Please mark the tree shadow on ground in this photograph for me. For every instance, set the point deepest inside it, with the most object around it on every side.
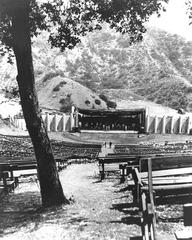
(24, 210)
(179, 199)
(130, 210)
(123, 189)
(129, 221)
(17, 210)
(136, 238)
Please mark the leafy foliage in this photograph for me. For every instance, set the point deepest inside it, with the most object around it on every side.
(57, 88)
(111, 104)
(50, 75)
(11, 92)
(97, 101)
(66, 104)
(159, 68)
(103, 97)
(87, 102)
(66, 23)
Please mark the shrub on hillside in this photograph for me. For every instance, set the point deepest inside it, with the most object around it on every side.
(97, 101)
(66, 104)
(56, 88)
(49, 76)
(62, 83)
(87, 102)
(62, 101)
(11, 92)
(189, 90)
(103, 97)
(111, 104)
(38, 72)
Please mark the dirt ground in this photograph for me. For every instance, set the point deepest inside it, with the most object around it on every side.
(98, 210)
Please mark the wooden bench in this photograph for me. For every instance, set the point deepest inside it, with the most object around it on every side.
(11, 164)
(5, 182)
(169, 175)
(114, 163)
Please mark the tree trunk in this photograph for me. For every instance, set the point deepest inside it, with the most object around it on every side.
(51, 189)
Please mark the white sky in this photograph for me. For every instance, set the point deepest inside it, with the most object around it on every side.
(174, 20)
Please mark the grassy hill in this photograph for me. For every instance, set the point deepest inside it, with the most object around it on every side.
(61, 93)
(158, 69)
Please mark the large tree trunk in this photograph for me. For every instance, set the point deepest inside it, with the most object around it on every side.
(51, 189)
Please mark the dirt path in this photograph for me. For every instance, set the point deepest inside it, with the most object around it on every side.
(100, 210)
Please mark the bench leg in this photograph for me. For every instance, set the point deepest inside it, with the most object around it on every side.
(16, 181)
(12, 177)
(122, 175)
(102, 174)
(144, 222)
(136, 198)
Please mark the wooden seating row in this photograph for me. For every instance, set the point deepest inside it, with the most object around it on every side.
(22, 147)
(9, 165)
(154, 149)
(151, 176)
(166, 175)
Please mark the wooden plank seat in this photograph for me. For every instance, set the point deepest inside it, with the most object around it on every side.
(171, 172)
(118, 162)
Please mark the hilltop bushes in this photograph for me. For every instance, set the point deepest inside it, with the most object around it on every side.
(110, 104)
(167, 92)
(57, 87)
(51, 75)
(11, 92)
(66, 104)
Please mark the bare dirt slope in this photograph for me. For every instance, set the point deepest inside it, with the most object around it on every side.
(99, 211)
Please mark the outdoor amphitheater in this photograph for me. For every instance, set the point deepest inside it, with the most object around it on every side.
(127, 174)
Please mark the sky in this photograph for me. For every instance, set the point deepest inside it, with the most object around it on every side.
(174, 20)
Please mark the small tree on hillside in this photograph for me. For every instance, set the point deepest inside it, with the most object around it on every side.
(22, 19)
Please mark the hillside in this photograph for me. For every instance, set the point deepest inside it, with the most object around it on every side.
(61, 93)
(158, 69)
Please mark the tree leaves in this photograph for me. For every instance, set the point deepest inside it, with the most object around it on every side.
(67, 23)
